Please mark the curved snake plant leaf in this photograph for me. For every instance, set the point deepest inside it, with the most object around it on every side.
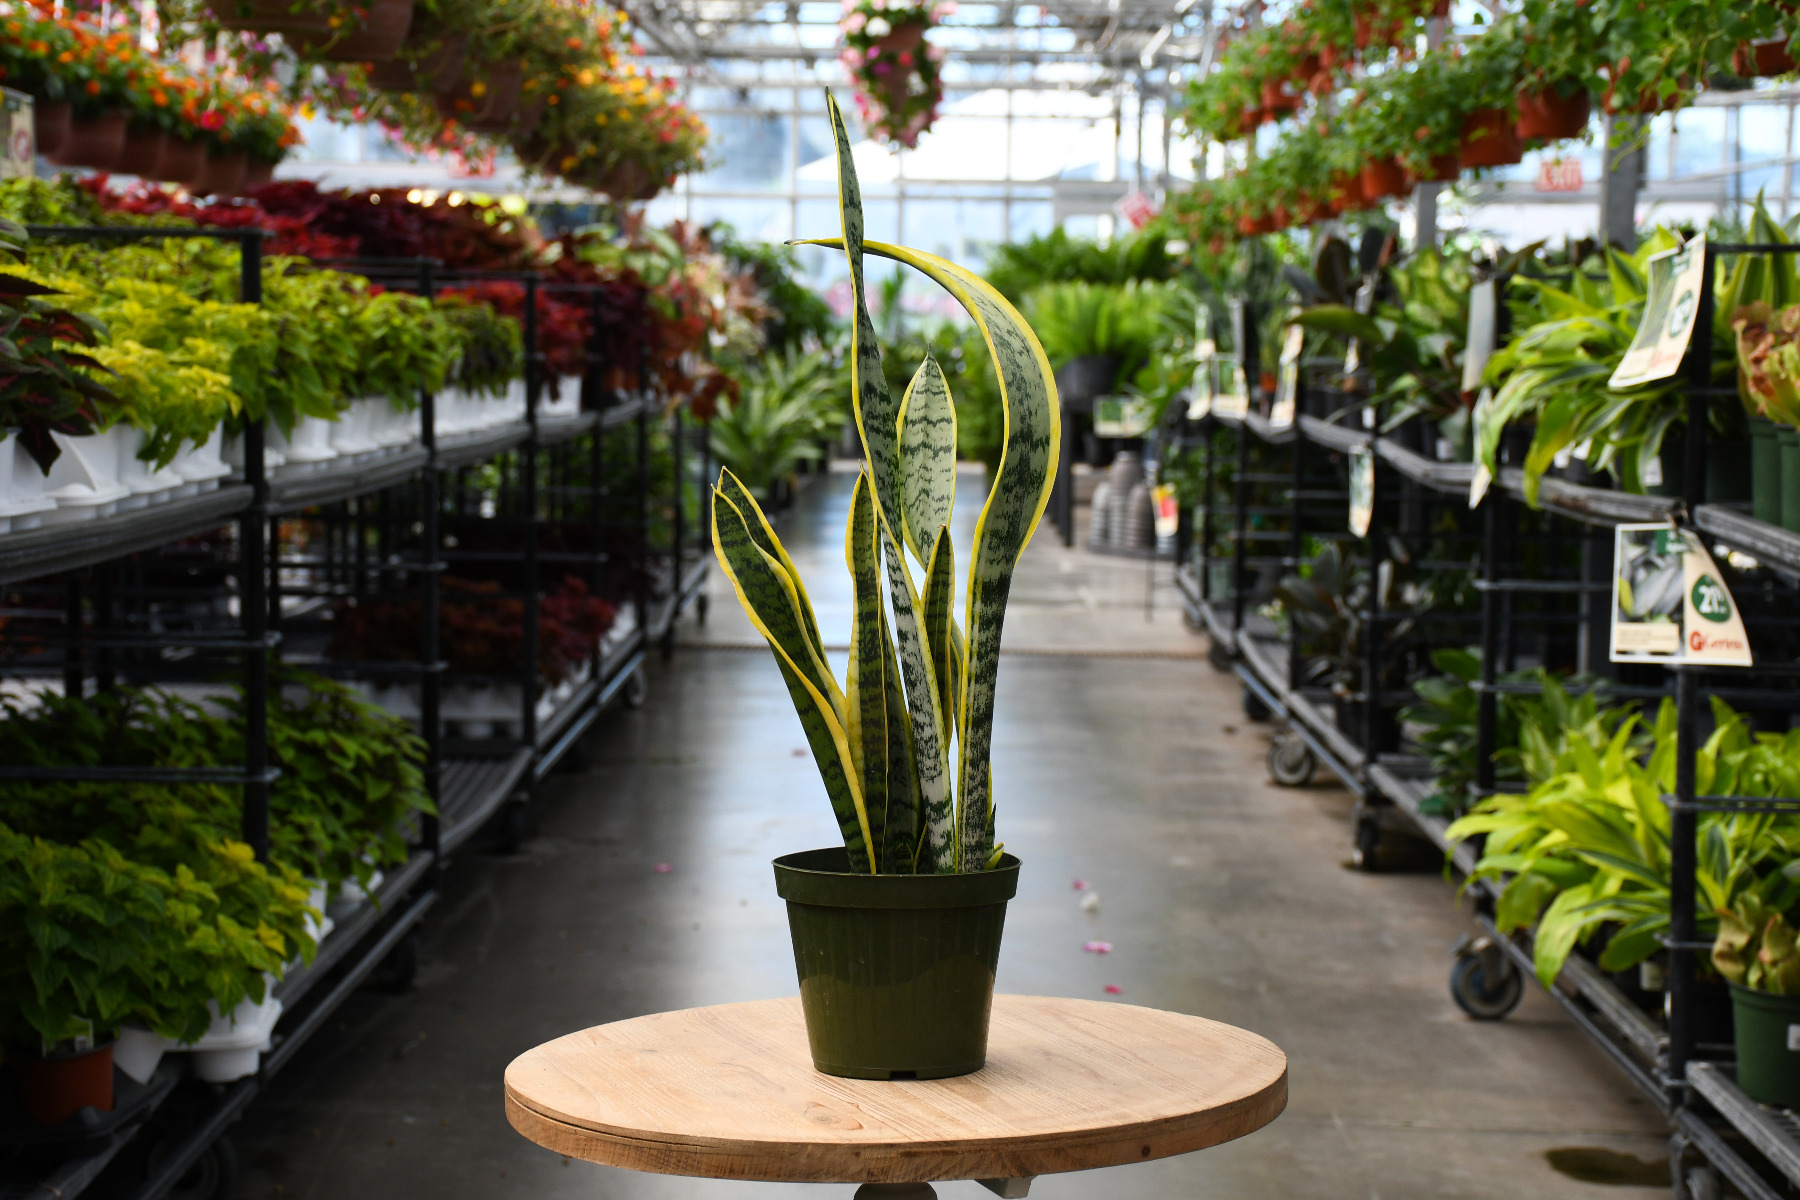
(769, 598)
(879, 743)
(941, 633)
(1033, 435)
(927, 459)
(878, 422)
(760, 533)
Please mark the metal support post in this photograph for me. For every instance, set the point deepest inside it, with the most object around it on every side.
(1699, 401)
(1240, 584)
(74, 664)
(1296, 544)
(1486, 711)
(430, 598)
(528, 514)
(1371, 722)
(1207, 430)
(1683, 862)
(253, 607)
(1620, 180)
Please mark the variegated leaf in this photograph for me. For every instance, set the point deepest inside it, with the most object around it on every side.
(942, 637)
(868, 692)
(770, 601)
(877, 419)
(927, 459)
(764, 536)
(1014, 506)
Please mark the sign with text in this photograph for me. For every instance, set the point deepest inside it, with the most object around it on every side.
(1287, 379)
(1232, 399)
(1362, 490)
(1670, 603)
(1558, 175)
(1671, 303)
(20, 127)
(1120, 417)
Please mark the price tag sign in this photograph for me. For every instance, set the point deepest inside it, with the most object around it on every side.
(1670, 604)
(20, 129)
(1118, 417)
(1168, 511)
(1362, 490)
(1672, 301)
(1287, 382)
(1206, 379)
(1478, 346)
(1233, 398)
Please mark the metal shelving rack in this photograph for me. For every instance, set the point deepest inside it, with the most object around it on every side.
(1755, 1148)
(387, 512)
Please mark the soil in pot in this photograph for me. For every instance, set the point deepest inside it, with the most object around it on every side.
(1550, 116)
(1768, 1046)
(55, 1088)
(50, 125)
(92, 142)
(896, 971)
(142, 154)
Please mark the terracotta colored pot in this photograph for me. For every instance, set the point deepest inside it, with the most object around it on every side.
(436, 71)
(258, 172)
(50, 125)
(1328, 57)
(1490, 139)
(1281, 217)
(1440, 168)
(223, 175)
(1246, 226)
(1547, 115)
(143, 152)
(280, 15)
(1309, 66)
(1321, 83)
(1751, 59)
(1651, 102)
(56, 1088)
(92, 142)
(1274, 100)
(497, 102)
(629, 181)
(379, 36)
(181, 161)
(1251, 119)
(1382, 178)
(1440, 8)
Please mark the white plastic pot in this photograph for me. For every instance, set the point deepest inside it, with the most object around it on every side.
(233, 1047)
(232, 456)
(148, 483)
(352, 892)
(512, 405)
(307, 447)
(392, 428)
(319, 927)
(350, 433)
(84, 479)
(22, 502)
(205, 464)
(566, 403)
(138, 1052)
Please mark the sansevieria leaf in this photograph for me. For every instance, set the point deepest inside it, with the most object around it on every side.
(941, 633)
(772, 603)
(927, 458)
(866, 690)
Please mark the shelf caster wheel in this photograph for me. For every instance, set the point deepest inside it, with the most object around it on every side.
(1291, 761)
(1365, 853)
(1484, 982)
(637, 689)
(214, 1175)
(700, 604)
(1218, 656)
(401, 966)
(1254, 708)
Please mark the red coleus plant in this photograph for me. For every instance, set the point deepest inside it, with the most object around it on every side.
(43, 385)
(562, 326)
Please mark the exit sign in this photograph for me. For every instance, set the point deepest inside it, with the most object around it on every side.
(1559, 175)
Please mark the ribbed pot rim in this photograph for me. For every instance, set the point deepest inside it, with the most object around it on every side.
(1768, 1001)
(823, 878)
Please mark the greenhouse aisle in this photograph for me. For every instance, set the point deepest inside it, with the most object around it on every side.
(1122, 760)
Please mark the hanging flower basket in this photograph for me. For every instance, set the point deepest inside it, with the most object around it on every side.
(181, 160)
(223, 175)
(142, 154)
(484, 103)
(1381, 179)
(271, 16)
(1550, 117)
(437, 70)
(894, 70)
(1753, 59)
(92, 141)
(369, 34)
(1490, 139)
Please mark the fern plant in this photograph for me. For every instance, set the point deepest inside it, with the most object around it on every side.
(781, 411)
(918, 683)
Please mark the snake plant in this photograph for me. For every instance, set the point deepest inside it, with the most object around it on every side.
(918, 684)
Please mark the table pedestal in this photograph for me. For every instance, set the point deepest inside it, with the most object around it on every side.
(1007, 1189)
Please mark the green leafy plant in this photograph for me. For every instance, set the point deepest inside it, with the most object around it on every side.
(786, 404)
(916, 685)
(1077, 320)
(1756, 945)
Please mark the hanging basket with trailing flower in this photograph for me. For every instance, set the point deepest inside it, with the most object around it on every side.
(894, 70)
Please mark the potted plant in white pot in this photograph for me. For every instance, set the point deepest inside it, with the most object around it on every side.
(897, 932)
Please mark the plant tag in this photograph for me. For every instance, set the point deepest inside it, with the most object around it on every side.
(1120, 417)
(1206, 379)
(1483, 477)
(1671, 303)
(1287, 382)
(1168, 511)
(1362, 491)
(1794, 1037)
(1478, 346)
(19, 126)
(1232, 400)
(1670, 604)
(1652, 475)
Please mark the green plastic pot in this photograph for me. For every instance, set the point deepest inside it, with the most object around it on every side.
(896, 971)
(1765, 471)
(1768, 1046)
(1790, 478)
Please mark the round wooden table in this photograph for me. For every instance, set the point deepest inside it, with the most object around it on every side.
(730, 1092)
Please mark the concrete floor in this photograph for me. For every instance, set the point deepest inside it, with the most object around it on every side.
(1121, 759)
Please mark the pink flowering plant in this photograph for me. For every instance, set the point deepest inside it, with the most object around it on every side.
(894, 69)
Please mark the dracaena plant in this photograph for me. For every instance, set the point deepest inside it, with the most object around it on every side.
(903, 743)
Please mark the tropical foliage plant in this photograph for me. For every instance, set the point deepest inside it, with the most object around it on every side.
(903, 744)
(785, 406)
